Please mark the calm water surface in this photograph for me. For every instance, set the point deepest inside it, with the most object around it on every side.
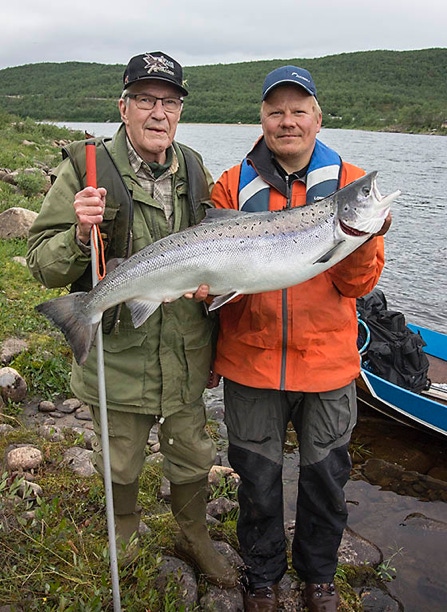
(413, 281)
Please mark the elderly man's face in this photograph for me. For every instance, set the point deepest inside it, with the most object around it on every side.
(151, 132)
(290, 123)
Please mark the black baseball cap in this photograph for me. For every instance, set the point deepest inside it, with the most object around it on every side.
(155, 65)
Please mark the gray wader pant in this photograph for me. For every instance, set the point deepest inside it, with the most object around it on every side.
(257, 421)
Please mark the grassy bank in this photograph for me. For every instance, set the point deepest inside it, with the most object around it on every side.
(24, 146)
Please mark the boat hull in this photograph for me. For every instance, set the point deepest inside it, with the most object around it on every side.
(425, 411)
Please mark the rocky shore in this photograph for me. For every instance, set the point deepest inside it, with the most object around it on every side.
(54, 421)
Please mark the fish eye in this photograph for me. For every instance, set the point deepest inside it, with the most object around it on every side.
(366, 191)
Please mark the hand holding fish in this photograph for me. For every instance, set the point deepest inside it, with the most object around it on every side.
(89, 207)
(213, 380)
(386, 225)
(200, 295)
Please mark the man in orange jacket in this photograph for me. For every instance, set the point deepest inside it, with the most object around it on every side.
(291, 356)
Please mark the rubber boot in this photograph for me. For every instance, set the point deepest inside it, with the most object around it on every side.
(194, 545)
(127, 521)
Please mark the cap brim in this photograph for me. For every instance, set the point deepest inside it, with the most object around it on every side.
(284, 82)
(183, 91)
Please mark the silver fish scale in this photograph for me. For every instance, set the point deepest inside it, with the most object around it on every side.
(211, 252)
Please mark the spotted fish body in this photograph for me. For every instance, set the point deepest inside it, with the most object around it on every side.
(232, 252)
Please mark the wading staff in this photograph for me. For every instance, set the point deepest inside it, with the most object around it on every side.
(98, 271)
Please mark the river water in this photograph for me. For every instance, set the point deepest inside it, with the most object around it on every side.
(414, 282)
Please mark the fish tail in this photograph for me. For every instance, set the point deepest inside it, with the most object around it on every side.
(68, 314)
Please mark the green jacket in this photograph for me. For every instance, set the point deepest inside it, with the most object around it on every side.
(162, 365)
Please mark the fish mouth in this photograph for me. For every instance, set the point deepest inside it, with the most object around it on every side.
(351, 231)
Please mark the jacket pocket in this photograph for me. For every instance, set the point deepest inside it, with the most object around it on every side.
(336, 418)
(124, 366)
(197, 355)
(246, 415)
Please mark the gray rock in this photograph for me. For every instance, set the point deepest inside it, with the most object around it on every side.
(229, 553)
(15, 222)
(57, 415)
(391, 476)
(46, 406)
(20, 260)
(79, 460)
(51, 433)
(419, 521)
(5, 428)
(83, 414)
(375, 600)
(24, 458)
(356, 550)
(154, 459)
(221, 507)
(87, 435)
(174, 570)
(11, 348)
(219, 473)
(12, 385)
(69, 405)
(222, 600)
(165, 489)
(29, 490)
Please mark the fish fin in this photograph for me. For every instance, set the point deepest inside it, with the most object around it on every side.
(114, 263)
(329, 254)
(220, 214)
(67, 313)
(220, 300)
(141, 310)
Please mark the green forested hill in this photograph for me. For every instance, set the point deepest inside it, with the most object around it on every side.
(380, 90)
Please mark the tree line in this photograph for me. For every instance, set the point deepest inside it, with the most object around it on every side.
(403, 91)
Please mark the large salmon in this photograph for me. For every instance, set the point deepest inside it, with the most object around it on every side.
(232, 252)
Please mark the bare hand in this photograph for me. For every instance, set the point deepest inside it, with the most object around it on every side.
(200, 295)
(213, 380)
(386, 226)
(89, 207)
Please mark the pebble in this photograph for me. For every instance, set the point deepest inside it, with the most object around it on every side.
(46, 406)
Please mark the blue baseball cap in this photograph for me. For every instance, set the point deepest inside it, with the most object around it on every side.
(289, 74)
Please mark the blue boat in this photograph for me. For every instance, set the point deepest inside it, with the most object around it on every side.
(427, 410)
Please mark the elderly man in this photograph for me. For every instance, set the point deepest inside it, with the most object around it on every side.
(291, 356)
(149, 187)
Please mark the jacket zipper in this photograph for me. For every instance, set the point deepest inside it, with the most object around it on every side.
(284, 310)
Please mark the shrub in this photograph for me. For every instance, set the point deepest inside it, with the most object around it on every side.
(31, 183)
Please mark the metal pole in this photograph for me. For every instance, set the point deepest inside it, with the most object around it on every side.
(90, 150)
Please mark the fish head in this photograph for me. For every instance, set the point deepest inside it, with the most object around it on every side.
(361, 209)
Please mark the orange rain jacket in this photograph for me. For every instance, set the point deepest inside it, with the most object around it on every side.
(303, 338)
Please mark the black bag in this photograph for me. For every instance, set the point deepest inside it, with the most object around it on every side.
(394, 351)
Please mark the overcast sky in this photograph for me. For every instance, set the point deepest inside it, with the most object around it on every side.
(199, 32)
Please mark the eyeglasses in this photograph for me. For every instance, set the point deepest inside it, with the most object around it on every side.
(147, 102)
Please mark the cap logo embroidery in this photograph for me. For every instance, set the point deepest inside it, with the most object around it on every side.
(299, 76)
(158, 64)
